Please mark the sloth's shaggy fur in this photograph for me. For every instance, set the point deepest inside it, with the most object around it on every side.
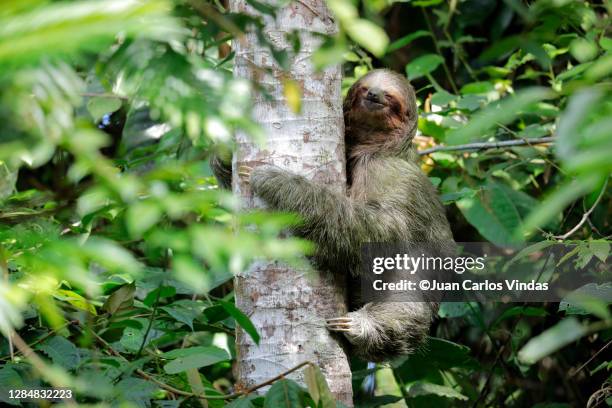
(389, 200)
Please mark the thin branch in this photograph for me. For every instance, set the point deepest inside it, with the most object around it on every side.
(488, 145)
(543, 156)
(218, 18)
(315, 12)
(43, 338)
(585, 216)
(176, 391)
(574, 372)
(600, 395)
(40, 366)
(278, 377)
(104, 95)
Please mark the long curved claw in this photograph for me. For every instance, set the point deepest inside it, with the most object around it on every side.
(244, 172)
(339, 320)
(339, 324)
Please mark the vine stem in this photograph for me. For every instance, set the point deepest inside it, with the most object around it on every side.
(576, 371)
(439, 51)
(586, 215)
(151, 318)
(488, 145)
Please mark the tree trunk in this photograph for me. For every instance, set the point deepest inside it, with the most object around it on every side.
(289, 306)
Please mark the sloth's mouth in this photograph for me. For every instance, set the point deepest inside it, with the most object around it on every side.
(372, 104)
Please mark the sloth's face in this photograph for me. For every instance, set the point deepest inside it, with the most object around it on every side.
(374, 99)
(379, 100)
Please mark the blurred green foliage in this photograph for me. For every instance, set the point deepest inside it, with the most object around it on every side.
(117, 248)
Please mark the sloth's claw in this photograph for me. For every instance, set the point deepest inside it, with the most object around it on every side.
(244, 172)
(340, 324)
(339, 320)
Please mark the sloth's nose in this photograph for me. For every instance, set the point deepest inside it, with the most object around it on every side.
(375, 95)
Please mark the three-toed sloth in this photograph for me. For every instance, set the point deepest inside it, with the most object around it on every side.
(389, 200)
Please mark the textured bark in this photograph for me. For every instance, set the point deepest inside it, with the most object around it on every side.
(289, 306)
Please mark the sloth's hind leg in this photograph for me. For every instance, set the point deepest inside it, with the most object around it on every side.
(384, 330)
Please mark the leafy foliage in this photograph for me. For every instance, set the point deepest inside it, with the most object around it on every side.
(117, 248)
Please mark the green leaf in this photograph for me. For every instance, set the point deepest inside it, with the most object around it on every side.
(437, 354)
(519, 311)
(193, 357)
(404, 41)
(423, 65)
(578, 107)
(501, 47)
(241, 319)
(563, 333)
(456, 309)
(69, 28)
(132, 338)
(285, 394)
(503, 112)
(100, 106)
(493, 214)
(368, 35)
(243, 402)
(583, 50)
(442, 98)
(161, 293)
(184, 311)
(531, 249)
(135, 390)
(111, 255)
(471, 102)
(426, 3)
(9, 380)
(477, 88)
(588, 299)
(574, 71)
(600, 248)
(75, 300)
(141, 216)
(192, 273)
(421, 388)
(121, 298)
(318, 388)
(606, 43)
(454, 196)
(601, 67)
(378, 401)
(61, 351)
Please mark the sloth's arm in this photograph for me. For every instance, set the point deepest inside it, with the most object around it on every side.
(338, 224)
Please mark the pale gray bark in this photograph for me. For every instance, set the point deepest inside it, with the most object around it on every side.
(289, 306)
